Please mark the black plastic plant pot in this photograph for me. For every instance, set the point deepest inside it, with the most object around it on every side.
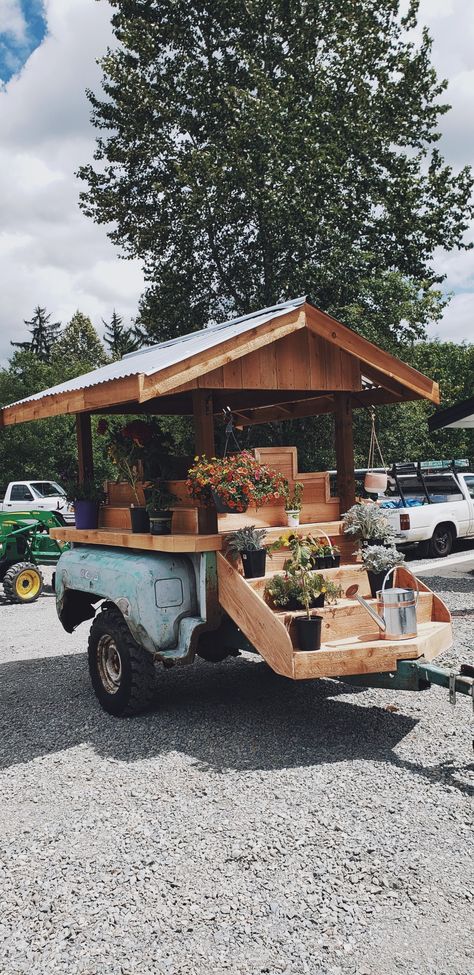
(318, 601)
(222, 508)
(140, 520)
(254, 562)
(309, 632)
(318, 562)
(336, 560)
(160, 522)
(376, 582)
(86, 514)
(328, 562)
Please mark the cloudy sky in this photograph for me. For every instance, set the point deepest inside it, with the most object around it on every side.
(50, 254)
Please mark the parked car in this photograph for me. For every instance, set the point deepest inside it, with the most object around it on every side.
(430, 507)
(37, 496)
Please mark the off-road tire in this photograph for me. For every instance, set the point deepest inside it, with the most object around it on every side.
(441, 542)
(125, 683)
(23, 583)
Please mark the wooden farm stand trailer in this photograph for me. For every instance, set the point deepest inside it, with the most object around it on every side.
(168, 598)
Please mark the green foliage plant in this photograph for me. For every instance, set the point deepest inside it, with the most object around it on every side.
(367, 520)
(288, 587)
(87, 490)
(293, 499)
(246, 539)
(126, 450)
(158, 497)
(381, 558)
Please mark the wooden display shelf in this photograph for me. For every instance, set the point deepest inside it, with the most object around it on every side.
(127, 539)
(351, 642)
(368, 653)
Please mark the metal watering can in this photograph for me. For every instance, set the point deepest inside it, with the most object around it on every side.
(396, 610)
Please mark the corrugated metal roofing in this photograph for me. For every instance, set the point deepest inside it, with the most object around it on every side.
(153, 359)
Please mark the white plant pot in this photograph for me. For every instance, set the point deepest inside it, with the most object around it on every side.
(292, 518)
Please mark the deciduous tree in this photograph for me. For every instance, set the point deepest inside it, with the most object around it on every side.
(251, 150)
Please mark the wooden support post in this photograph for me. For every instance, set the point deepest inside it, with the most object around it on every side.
(203, 422)
(84, 447)
(204, 442)
(344, 450)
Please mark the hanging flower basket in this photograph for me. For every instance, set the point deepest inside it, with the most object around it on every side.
(234, 483)
(224, 507)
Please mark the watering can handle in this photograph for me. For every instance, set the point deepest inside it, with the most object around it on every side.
(417, 591)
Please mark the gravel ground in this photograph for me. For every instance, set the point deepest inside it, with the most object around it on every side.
(248, 825)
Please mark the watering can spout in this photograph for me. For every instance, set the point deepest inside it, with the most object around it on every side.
(375, 616)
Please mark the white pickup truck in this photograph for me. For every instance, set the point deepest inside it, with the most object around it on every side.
(37, 496)
(431, 508)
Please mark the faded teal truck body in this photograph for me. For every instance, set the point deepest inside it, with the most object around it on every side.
(166, 600)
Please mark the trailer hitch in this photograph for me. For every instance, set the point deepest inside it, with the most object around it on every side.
(419, 675)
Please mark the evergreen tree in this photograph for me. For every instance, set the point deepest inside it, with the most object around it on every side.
(43, 335)
(251, 150)
(119, 339)
(79, 343)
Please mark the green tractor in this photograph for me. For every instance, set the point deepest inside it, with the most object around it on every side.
(25, 544)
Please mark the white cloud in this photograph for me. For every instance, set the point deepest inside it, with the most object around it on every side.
(51, 254)
(12, 21)
(458, 321)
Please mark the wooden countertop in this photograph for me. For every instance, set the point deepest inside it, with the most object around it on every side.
(179, 542)
(123, 538)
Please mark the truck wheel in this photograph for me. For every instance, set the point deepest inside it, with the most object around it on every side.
(122, 672)
(441, 542)
(23, 583)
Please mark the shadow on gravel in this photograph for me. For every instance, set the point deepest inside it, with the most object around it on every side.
(233, 716)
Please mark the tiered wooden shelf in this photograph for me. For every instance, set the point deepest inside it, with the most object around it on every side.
(351, 643)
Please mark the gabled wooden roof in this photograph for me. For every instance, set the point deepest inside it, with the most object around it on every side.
(277, 363)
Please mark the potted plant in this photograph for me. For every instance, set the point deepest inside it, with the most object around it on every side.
(234, 482)
(293, 503)
(158, 506)
(377, 560)
(248, 543)
(86, 497)
(126, 452)
(318, 558)
(369, 524)
(335, 556)
(286, 591)
(299, 565)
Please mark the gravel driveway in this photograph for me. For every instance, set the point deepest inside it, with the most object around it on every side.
(249, 825)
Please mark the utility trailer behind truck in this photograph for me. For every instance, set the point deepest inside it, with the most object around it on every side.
(170, 599)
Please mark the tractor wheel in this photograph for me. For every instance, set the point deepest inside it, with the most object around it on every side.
(121, 671)
(23, 583)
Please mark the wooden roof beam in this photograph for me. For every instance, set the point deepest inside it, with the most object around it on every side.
(226, 351)
(308, 407)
